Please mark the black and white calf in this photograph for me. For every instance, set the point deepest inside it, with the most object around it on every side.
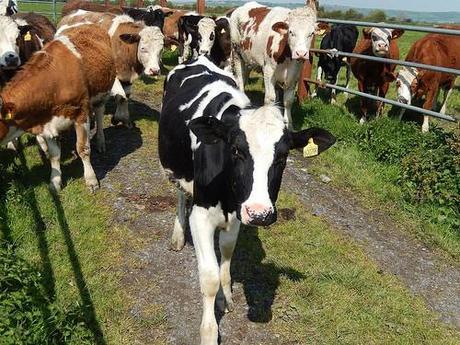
(342, 37)
(196, 36)
(222, 48)
(229, 158)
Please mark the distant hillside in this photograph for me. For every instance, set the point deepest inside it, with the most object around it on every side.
(427, 17)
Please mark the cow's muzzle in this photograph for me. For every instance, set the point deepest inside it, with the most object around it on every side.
(10, 61)
(258, 215)
(301, 55)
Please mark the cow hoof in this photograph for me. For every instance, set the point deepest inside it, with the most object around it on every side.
(362, 121)
(229, 307)
(177, 245)
(55, 187)
(425, 129)
(93, 186)
(333, 101)
(100, 147)
(314, 94)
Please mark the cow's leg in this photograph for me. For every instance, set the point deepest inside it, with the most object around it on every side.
(122, 111)
(100, 137)
(180, 223)
(447, 94)
(54, 154)
(289, 95)
(238, 68)
(334, 91)
(42, 143)
(202, 229)
(348, 75)
(269, 84)
(13, 144)
(363, 103)
(319, 77)
(430, 103)
(84, 151)
(227, 242)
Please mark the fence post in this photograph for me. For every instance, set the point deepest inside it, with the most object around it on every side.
(303, 91)
(200, 6)
(54, 11)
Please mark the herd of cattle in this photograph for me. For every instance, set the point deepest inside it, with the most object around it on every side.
(213, 144)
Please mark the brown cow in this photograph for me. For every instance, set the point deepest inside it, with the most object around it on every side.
(136, 48)
(171, 27)
(375, 77)
(73, 74)
(413, 83)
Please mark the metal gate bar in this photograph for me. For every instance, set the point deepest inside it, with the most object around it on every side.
(384, 100)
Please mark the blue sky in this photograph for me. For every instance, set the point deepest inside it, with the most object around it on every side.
(408, 5)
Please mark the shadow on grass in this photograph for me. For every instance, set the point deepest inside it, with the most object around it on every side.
(260, 279)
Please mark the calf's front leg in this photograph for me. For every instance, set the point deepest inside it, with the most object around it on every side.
(202, 228)
(54, 154)
(84, 151)
(227, 242)
(180, 223)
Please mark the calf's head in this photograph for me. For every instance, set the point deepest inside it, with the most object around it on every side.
(406, 81)
(299, 30)
(254, 147)
(206, 35)
(381, 39)
(151, 43)
(10, 32)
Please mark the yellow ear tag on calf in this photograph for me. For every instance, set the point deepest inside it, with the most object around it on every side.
(173, 48)
(28, 36)
(9, 116)
(311, 149)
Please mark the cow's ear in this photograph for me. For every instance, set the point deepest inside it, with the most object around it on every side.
(23, 29)
(367, 32)
(396, 33)
(321, 28)
(208, 129)
(320, 137)
(130, 38)
(280, 27)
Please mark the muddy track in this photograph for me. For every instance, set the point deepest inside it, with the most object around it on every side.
(160, 279)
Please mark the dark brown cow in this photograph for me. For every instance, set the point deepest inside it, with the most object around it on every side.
(74, 73)
(414, 83)
(375, 77)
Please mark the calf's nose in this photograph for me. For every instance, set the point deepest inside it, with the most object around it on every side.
(11, 60)
(301, 54)
(258, 215)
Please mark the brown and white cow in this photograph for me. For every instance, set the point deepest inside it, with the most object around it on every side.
(136, 48)
(276, 40)
(413, 83)
(20, 36)
(375, 77)
(73, 74)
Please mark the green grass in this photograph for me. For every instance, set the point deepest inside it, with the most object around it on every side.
(67, 240)
(330, 293)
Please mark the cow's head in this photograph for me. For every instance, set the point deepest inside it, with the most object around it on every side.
(206, 35)
(406, 81)
(255, 146)
(381, 39)
(300, 28)
(151, 43)
(10, 31)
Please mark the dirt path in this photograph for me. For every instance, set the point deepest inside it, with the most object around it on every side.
(167, 282)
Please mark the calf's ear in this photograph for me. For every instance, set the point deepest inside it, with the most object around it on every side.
(130, 38)
(208, 129)
(320, 136)
(23, 29)
(367, 33)
(280, 27)
(321, 28)
(396, 33)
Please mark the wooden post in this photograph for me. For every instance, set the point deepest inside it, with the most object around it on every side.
(303, 91)
(200, 6)
(106, 2)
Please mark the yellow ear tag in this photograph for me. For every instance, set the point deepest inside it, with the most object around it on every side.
(28, 36)
(320, 32)
(311, 149)
(9, 116)
(173, 48)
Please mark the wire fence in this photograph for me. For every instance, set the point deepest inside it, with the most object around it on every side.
(440, 69)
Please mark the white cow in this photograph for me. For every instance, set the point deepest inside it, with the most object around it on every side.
(278, 41)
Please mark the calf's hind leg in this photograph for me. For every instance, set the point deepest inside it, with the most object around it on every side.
(180, 223)
(54, 154)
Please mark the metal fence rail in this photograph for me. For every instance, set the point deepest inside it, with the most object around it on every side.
(394, 26)
(335, 52)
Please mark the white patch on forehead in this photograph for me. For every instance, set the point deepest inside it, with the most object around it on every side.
(20, 22)
(382, 33)
(117, 21)
(263, 128)
(69, 45)
(206, 25)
